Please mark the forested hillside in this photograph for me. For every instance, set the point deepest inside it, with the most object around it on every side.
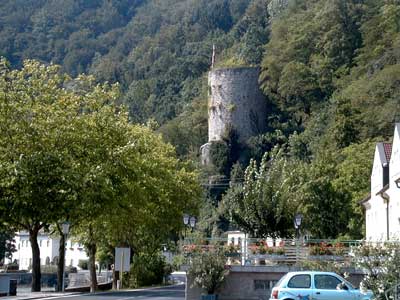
(330, 70)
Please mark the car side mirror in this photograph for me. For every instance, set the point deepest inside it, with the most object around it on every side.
(342, 286)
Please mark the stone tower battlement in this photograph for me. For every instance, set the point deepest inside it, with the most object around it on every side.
(235, 102)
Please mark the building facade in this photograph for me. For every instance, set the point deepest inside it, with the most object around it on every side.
(74, 252)
(382, 206)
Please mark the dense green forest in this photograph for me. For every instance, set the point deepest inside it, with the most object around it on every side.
(330, 70)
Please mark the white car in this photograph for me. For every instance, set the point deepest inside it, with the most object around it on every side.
(310, 285)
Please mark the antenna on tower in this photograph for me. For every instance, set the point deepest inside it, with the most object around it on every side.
(213, 57)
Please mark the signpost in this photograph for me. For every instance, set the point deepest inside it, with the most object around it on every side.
(122, 259)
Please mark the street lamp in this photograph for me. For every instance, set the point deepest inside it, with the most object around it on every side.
(297, 223)
(65, 230)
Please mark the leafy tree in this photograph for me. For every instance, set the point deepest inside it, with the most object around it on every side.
(326, 209)
(70, 153)
(345, 128)
(38, 178)
(207, 268)
(146, 188)
(7, 243)
(352, 170)
(263, 206)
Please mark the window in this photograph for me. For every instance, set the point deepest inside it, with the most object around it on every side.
(40, 243)
(48, 243)
(233, 241)
(300, 282)
(240, 241)
(326, 282)
(264, 284)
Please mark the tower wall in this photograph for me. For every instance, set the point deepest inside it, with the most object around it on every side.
(235, 101)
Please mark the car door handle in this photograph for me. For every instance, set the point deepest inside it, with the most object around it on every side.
(318, 293)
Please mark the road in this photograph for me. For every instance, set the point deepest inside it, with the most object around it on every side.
(176, 292)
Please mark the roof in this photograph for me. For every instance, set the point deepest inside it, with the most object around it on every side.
(387, 147)
(311, 272)
(384, 153)
(388, 150)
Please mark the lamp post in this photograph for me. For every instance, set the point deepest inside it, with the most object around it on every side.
(297, 223)
(186, 219)
(65, 231)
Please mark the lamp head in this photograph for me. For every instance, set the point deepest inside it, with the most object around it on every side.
(186, 219)
(297, 220)
(65, 227)
(192, 222)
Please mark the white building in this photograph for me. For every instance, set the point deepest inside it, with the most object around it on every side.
(382, 207)
(48, 251)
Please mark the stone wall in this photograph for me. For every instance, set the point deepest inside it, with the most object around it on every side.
(252, 283)
(235, 101)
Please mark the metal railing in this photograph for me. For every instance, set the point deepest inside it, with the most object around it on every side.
(251, 251)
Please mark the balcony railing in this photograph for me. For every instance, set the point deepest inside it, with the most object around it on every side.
(259, 252)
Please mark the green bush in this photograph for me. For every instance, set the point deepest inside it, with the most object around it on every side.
(83, 264)
(219, 154)
(177, 262)
(147, 270)
(208, 270)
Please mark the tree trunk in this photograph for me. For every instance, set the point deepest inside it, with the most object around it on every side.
(60, 263)
(92, 266)
(36, 276)
(115, 274)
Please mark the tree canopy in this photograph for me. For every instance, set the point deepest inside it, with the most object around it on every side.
(68, 152)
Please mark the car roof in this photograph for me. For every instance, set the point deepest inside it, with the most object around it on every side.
(311, 273)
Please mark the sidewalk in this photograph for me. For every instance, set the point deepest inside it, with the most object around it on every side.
(25, 293)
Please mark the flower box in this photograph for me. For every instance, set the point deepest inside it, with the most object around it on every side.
(326, 257)
(270, 257)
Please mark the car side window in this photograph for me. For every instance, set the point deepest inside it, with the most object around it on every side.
(326, 282)
(300, 282)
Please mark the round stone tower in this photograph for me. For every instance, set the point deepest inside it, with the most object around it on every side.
(235, 102)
